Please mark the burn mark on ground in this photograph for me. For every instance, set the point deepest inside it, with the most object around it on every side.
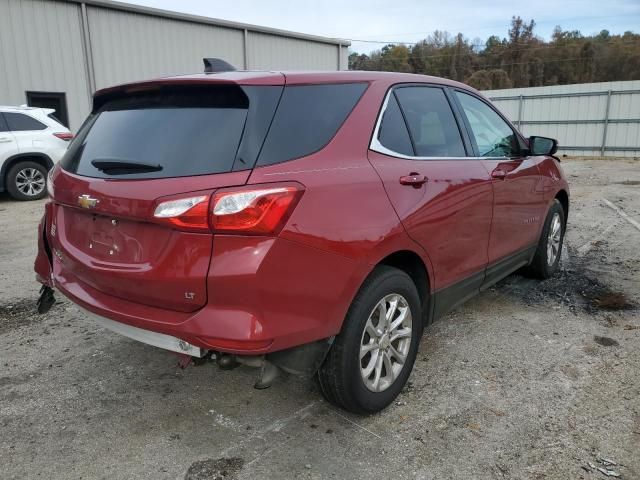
(220, 469)
(574, 286)
(18, 313)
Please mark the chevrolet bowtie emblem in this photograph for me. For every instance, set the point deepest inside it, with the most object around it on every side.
(85, 201)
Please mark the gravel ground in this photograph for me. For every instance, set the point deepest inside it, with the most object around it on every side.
(530, 380)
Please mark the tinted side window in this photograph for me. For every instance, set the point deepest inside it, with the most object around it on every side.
(494, 137)
(19, 122)
(3, 124)
(307, 119)
(433, 127)
(393, 132)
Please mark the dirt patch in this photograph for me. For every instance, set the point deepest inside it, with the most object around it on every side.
(605, 341)
(18, 313)
(221, 469)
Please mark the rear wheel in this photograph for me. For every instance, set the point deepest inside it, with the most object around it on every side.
(546, 260)
(371, 359)
(27, 181)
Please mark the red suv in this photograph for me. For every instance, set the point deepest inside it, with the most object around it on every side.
(312, 223)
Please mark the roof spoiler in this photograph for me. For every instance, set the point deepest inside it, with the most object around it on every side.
(214, 65)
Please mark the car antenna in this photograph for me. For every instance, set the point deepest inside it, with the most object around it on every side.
(214, 65)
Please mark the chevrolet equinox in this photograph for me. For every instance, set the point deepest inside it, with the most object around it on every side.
(306, 222)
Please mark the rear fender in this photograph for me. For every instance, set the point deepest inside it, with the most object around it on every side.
(43, 263)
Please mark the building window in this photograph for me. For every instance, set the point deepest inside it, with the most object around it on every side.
(54, 100)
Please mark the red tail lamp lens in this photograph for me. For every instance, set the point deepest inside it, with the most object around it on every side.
(259, 211)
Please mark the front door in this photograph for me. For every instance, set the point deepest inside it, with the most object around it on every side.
(443, 198)
(518, 206)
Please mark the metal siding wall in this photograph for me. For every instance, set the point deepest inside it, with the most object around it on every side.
(344, 59)
(588, 107)
(266, 51)
(128, 46)
(41, 50)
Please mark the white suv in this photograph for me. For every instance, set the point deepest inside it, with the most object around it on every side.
(31, 142)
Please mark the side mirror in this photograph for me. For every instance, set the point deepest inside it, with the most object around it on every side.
(542, 146)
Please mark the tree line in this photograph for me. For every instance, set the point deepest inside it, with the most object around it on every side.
(522, 59)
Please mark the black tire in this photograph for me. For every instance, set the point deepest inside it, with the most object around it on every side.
(540, 266)
(12, 180)
(340, 378)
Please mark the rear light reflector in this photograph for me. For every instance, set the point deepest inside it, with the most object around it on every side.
(66, 136)
(261, 211)
(238, 345)
(191, 214)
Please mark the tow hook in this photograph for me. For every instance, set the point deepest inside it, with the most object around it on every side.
(185, 360)
(46, 300)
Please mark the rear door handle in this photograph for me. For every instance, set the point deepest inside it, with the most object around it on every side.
(4, 139)
(414, 179)
(498, 173)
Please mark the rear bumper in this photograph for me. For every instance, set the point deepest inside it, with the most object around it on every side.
(263, 295)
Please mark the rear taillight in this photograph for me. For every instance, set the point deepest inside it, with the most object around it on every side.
(66, 136)
(190, 214)
(243, 211)
(262, 211)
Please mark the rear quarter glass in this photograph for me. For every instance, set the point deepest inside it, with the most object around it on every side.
(307, 118)
(184, 130)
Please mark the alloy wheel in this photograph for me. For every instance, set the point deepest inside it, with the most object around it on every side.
(30, 181)
(385, 342)
(553, 240)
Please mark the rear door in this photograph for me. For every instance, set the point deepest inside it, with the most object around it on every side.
(136, 152)
(443, 198)
(25, 130)
(518, 201)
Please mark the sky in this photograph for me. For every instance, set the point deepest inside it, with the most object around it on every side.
(412, 20)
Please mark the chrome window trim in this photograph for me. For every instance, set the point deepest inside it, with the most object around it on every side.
(376, 146)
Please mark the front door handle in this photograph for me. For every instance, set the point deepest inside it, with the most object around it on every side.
(414, 179)
(499, 173)
(4, 139)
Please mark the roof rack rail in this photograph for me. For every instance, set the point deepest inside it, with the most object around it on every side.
(214, 65)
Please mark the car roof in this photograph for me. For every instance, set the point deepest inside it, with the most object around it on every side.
(251, 77)
(26, 109)
(20, 108)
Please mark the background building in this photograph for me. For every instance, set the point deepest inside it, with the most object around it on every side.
(588, 119)
(56, 53)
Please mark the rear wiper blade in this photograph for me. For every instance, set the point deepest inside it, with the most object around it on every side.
(116, 166)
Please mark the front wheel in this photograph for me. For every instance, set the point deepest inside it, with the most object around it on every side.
(546, 260)
(371, 359)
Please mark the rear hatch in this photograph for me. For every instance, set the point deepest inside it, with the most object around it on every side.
(141, 147)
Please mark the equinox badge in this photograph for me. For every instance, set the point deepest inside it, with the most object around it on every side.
(85, 201)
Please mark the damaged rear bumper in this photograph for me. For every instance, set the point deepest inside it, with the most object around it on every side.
(155, 339)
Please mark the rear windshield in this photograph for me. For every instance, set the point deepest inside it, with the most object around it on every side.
(173, 133)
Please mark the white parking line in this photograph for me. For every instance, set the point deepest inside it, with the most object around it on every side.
(621, 212)
(272, 427)
(586, 248)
